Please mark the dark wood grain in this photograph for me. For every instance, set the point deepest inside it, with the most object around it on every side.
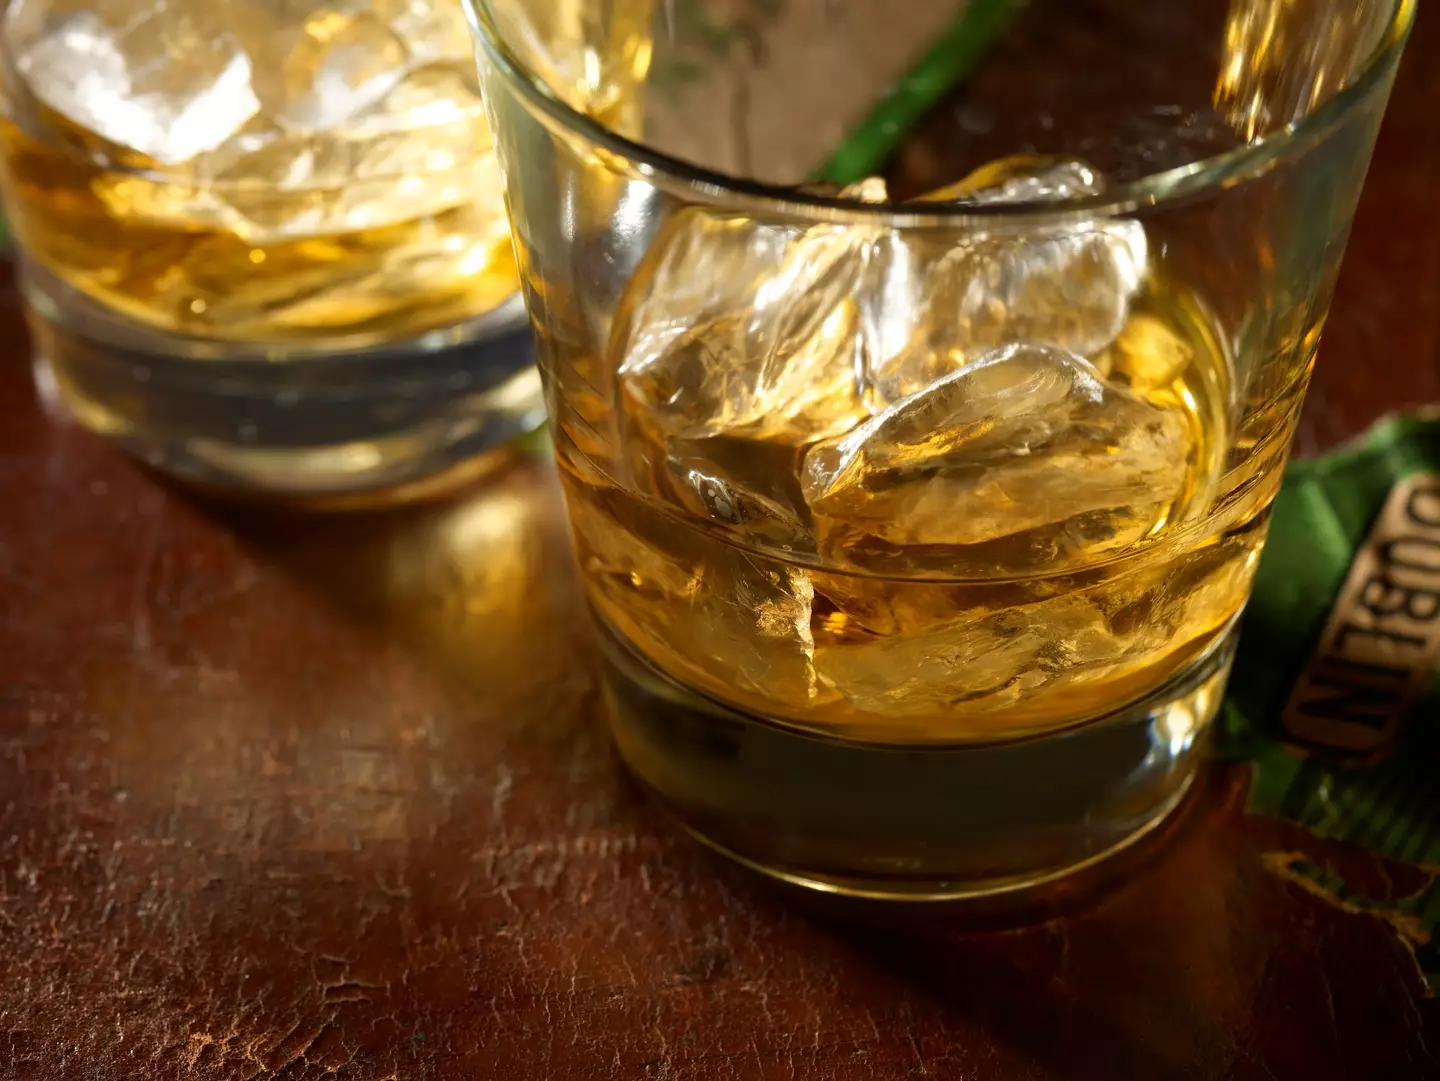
(331, 798)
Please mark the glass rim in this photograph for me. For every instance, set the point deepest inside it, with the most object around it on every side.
(1152, 190)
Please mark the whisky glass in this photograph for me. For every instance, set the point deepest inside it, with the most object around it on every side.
(917, 510)
(264, 244)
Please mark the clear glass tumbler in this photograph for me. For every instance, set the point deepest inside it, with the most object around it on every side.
(264, 244)
(917, 510)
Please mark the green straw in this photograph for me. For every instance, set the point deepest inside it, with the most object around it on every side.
(948, 61)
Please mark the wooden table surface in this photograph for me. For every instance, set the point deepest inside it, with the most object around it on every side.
(301, 799)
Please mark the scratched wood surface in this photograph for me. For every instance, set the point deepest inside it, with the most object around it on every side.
(304, 799)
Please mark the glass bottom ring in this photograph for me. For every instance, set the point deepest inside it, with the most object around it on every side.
(328, 428)
(993, 823)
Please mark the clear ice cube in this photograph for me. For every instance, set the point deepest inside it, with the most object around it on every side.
(739, 493)
(375, 108)
(1021, 178)
(430, 29)
(983, 661)
(749, 328)
(168, 80)
(1026, 652)
(1026, 444)
(999, 281)
(727, 620)
(740, 342)
(339, 68)
(1068, 286)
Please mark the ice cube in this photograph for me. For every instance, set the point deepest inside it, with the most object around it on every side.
(1026, 445)
(740, 493)
(859, 608)
(1021, 178)
(1066, 285)
(977, 662)
(748, 489)
(741, 341)
(1002, 281)
(431, 29)
(731, 622)
(167, 80)
(737, 326)
(341, 66)
(1030, 653)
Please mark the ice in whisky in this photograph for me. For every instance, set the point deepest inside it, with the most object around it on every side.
(268, 171)
(260, 172)
(922, 488)
(265, 244)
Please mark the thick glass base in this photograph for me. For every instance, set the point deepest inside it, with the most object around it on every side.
(310, 423)
(949, 823)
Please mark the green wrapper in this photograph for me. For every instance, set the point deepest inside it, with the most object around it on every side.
(1322, 515)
